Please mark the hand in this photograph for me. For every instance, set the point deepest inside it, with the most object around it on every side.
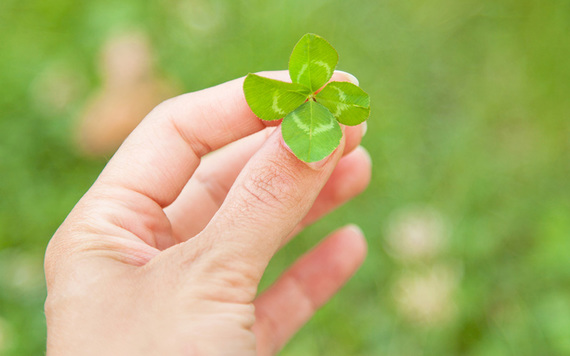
(164, 254)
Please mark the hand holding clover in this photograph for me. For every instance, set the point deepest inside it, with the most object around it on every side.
(164, 254)
(310, 116)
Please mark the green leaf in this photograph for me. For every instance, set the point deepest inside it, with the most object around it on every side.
(349, 104)
(310, 118)
(311, 132)
(312, 62)
(272, 99)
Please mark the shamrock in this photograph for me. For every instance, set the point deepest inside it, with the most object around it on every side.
(311, 116)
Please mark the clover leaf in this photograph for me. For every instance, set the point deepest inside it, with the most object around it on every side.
(312, 62)
(311, 117)
(311, 132)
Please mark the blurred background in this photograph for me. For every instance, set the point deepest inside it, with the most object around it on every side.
(468, 212)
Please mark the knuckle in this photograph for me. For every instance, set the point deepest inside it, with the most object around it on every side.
(166, 105)
(215, 274)
(231, 279)
(167, 110)
(273, 187)
(49, 260)
(171, 111)
(161, 111)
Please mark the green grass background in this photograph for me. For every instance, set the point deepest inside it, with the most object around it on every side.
(471, 117)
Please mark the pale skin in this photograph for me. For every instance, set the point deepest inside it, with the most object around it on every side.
(164, 254)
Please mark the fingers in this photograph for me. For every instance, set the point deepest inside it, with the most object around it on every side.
(314, 279)
(205, 192)
(269, 198)
(350, 178)
(161, 154)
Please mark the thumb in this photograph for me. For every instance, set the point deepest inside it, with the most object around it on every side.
(269, 198)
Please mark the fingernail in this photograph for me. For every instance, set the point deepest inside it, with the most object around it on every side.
(364, 128)
(318, 164)
(355, 228)
(365, 151)
(351, 78)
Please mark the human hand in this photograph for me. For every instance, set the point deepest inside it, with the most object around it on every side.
(164, 254)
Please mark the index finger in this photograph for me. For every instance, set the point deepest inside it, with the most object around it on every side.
(162, 153)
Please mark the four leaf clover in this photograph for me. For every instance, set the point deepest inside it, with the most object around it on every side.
(311, 117)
